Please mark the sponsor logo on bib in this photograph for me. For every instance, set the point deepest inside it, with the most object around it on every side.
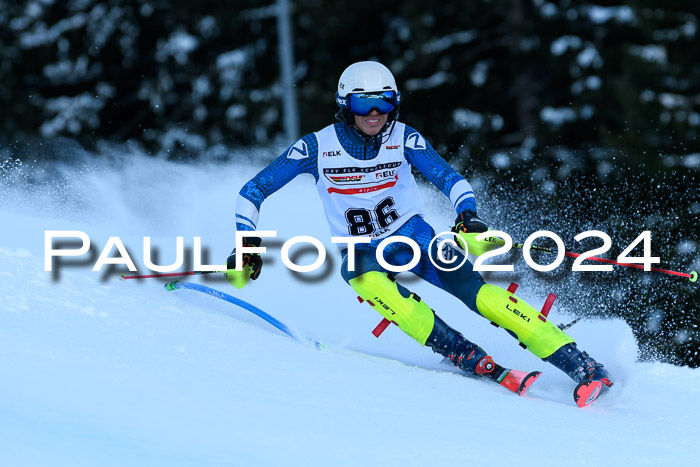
(363, 179)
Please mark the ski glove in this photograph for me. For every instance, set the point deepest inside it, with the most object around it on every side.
(252, 265)
(467, 227)
(469, 222)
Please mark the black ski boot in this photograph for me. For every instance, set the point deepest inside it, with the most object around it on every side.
(472, 359)
(463, 353)
(590, 375)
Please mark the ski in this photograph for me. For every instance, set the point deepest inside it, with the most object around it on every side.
(177, 285)
(517, 381)
(588, 392)
(514, 380)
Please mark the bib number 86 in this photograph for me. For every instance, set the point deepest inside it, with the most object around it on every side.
(365, 222)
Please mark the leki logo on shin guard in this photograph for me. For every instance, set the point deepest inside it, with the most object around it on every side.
(383, 305)
(517, 313)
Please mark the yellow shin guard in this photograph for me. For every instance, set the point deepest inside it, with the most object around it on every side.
(514, 314)
(411, 314)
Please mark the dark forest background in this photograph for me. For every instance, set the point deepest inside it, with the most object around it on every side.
(575, 115)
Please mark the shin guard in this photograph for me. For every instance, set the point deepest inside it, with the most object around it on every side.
(521, 320)
(400, 306)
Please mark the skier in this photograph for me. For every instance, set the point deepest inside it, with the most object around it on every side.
(362, 166)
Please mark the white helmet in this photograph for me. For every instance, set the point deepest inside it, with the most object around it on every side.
(366, 77)
(363, 78)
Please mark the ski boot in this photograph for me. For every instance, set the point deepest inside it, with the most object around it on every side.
(591, 376)
(472, 359)
(414, 317)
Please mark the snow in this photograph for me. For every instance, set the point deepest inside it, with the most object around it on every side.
(100, 371)
(72, 113)
(179, 46)
(651, 53)
(500, 160)
(557, 116)
(564, 43)
(589, 57)
(467, 118)
(40, 35)
(230, 66)
(436, 79)
(480, 73)
(443, 43)
(601, 15)
(692, 161)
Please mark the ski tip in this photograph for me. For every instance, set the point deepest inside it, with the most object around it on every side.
(587, 392)
(693, 276)
(518, 381)
(527, 382)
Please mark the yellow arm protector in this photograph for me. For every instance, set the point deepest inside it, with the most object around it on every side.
(477, 247)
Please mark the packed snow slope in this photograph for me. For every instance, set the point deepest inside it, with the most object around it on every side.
(95, 370)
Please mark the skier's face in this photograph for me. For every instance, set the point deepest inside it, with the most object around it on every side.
(372, 123)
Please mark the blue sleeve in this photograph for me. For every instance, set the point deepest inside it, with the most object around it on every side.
(422, 156)
(299, 158)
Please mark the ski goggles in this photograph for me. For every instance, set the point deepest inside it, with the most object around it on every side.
(363, 103)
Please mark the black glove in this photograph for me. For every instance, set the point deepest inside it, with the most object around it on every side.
(469, 222)
(252, 260)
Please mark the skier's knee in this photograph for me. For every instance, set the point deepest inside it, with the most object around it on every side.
(364, 262)
(464, 283)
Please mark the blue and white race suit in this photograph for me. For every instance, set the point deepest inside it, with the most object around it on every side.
(369, 190)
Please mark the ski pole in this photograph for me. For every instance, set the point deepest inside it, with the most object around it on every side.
(533, 248)
(693, 276)
(171, 286)
(170, 274)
